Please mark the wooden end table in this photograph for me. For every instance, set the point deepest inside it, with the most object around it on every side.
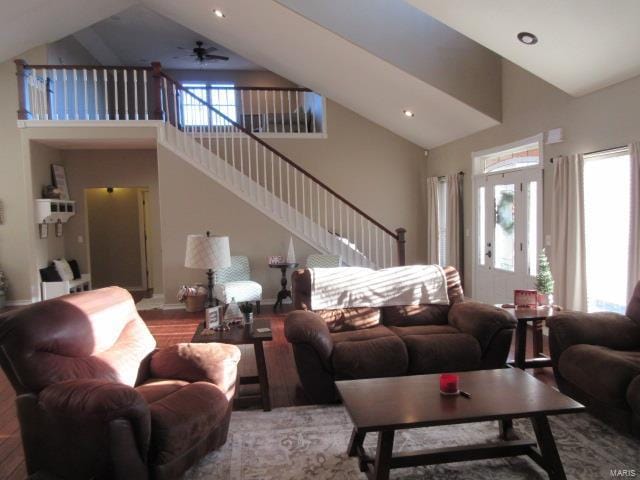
(284, 292)
(537, 317)
(246, 335)
(385, 405)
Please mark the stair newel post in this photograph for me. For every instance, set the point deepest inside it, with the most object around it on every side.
(21, 67)
(156, 86)
(401, 241)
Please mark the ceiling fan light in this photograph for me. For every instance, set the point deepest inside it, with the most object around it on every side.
(408, 113)
(219, 13)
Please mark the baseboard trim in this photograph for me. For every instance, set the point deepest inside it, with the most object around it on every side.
(19, 303)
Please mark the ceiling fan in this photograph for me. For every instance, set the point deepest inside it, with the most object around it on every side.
(202, 54)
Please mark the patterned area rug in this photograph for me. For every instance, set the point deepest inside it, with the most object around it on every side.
(152, 303)
(310, 442)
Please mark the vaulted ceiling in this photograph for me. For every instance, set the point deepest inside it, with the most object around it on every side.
(583, 45)
(378, 57)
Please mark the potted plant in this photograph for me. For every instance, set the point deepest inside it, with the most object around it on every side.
(544, 281)
(4, 286)
(247, 311)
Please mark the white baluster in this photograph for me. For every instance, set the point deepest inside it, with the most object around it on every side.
(115, 94)
(106, 94)
(95, 95)
(289, 101)
(333, 221)
(266, 109)
(281, 110)
(145, 94)
(75, 94)
(288, 167)
(313, 107)
(319, 210)
(64, 94)
(275, 116)
(297, 111)
(54, 96)
(175, 114)
(260, 119)
(45, 95)
(251, 109)
(295, 194)
(243, 120)
(135, 96)
(304, 208)
(264, 175)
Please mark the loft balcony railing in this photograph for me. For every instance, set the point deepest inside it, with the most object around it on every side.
(90, 92)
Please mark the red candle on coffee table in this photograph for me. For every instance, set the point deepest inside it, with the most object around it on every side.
(449, 384)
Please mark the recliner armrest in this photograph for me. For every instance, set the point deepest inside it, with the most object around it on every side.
(216, 363)
(606, 329)
(480, 320)
(303, 326)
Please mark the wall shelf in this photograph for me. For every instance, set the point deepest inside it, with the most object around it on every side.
(52, 210)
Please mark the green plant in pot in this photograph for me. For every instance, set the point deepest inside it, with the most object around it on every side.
(4, 286)
(247, 311)
(544, 280)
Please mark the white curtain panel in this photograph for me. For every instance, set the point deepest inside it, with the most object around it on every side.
(454, 235)
(568, 252)
(634, 225)
(431, 205)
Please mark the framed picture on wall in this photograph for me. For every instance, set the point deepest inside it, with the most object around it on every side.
(59, 179)
(43, 229)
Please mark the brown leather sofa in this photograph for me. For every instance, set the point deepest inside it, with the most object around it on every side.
(596, 360)
(331, 345)
(96, 399)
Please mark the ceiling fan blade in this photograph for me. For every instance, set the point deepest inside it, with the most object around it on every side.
(184, 48)
(210, 49)
(216, 57)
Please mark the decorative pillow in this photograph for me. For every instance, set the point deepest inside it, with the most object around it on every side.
(75, 268)
(49, 274)
(63, 269)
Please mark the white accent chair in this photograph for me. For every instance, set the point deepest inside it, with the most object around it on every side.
(235, 282)
(317, 260)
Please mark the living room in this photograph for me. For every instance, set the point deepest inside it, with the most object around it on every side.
(406, 247)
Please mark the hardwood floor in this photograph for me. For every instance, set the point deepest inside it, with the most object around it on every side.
(174, 326)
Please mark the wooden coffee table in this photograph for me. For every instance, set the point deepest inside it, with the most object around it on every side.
(385, 405)
(246, 335)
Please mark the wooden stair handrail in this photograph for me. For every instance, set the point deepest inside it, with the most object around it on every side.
(281, 155)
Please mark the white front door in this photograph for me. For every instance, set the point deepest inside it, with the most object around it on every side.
(508, 220)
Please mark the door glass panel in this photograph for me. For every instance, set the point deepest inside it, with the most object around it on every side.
(504, 230)
(532, 227)
(482, 239)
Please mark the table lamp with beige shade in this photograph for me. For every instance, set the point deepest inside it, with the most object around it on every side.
(208, 252)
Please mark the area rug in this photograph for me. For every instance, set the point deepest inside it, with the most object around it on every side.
(152, 303)
(310, 442)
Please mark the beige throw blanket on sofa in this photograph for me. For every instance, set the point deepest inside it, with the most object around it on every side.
(346, 287)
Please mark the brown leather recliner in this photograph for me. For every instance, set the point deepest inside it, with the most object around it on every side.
(351, 343)
(596, 360)
(96, 399)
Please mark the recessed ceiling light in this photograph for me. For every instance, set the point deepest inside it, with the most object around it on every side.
(527, 38)
(408, 113)
(218, 13)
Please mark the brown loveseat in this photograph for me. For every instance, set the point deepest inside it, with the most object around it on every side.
(331, 345)
(95, 399)
(596, 360)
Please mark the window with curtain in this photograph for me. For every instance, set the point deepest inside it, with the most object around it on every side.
(442, 222)
(607, 203)
(221, 96)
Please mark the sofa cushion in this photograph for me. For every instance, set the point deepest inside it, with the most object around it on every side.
(446, 351)
(241, 291)
(368, 353)
(601, 372)
(633, 396)
(423, 330)
(415, 315)
(156, 389)
(343, 319)
(183, 419)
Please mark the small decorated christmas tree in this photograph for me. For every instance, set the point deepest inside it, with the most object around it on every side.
(544, 279)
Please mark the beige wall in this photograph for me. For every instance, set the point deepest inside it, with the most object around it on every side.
(17, 233)
(113, 223)
(190, 202)
(118, 168)
(604, 119)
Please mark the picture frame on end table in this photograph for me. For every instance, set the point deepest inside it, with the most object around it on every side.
(213, 317)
